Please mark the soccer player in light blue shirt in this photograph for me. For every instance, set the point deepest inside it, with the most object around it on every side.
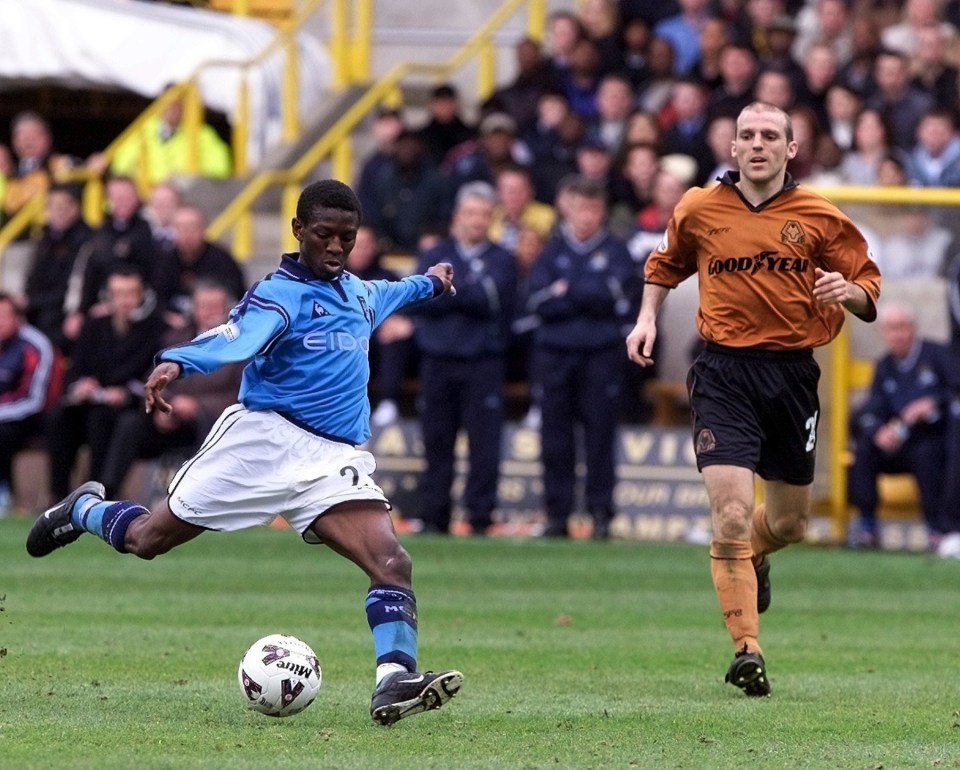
(289, 448)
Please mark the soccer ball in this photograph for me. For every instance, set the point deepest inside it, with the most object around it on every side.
(279, 675)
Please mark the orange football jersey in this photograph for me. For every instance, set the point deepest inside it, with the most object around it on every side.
(756, 265)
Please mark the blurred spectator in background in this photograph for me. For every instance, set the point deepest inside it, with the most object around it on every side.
(780, 34)
(160, 210)
(635, 37)
(683, 32)
(643, 128)
(498, 147)
(124, 237)
(806, 133)
(721, 134)
(819, 73)
(582, 80)
(445, 129)
(843, 106)
(34, 165)
(408, 195)
(825, 22)
(519, 358)
(581, 287)
(901, 104)
(192, 259)
(651, 11)
(519, 97)
(552, 143)
(29, 375)
(871, 144)
(933, 69)
(865, 40)
(564, 31)
(738, 74)
(387, 126)
(687, 134)
(714, 36)
(615, 102)
(916, 246)
(935, 159)
(892, 171)
(197, 401)
(774, 87)
(902, 426)
(674, 177)
(633, 187)
(109, 362)
(594, 160)
(655, 92)
(463, 339)
(160, 150)
(517, 209)
(601, 24)
(64, 236)
(904, 37)
(392, 352)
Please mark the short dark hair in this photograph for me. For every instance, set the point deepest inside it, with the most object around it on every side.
(585, 187)
(72, 189)
(444, 91)
(126, 269)
(327, 194)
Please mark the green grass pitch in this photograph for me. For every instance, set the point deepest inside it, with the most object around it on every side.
(575, 654)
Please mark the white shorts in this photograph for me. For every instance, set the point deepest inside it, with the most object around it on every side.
(254, 466)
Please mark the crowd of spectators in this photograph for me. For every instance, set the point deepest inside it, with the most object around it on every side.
(635, 98)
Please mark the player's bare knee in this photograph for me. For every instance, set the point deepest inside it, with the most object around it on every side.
(791, 530)
(397, 567)
(732, 521)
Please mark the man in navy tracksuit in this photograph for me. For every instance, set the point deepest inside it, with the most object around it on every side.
(581, 288)
(462, 340)
(902, 426)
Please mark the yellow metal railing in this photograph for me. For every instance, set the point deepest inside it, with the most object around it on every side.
(335, 144)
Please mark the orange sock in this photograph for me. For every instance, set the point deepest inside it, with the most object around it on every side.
(762, 540)
(736, 585)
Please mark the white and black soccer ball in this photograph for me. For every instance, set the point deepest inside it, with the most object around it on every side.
(279, 675)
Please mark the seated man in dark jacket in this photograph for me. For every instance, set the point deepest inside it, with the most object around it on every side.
(902, 426)
(110, 360)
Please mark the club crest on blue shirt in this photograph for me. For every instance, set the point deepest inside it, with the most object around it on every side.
(319, 311)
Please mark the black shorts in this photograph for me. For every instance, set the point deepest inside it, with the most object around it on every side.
(757, 409)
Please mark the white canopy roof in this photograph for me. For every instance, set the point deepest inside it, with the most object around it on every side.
(143, 47)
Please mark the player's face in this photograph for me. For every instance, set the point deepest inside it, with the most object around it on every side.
(326, 240)
(761, 148)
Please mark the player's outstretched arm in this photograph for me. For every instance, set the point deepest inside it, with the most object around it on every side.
(165, 373)
(444, 271)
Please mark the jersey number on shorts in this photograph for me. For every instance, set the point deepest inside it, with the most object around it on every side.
(811, 425)
(353, 471)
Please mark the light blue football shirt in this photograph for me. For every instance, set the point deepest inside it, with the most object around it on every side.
(307, 342)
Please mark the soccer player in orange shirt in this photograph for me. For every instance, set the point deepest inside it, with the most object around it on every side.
(778, 265)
